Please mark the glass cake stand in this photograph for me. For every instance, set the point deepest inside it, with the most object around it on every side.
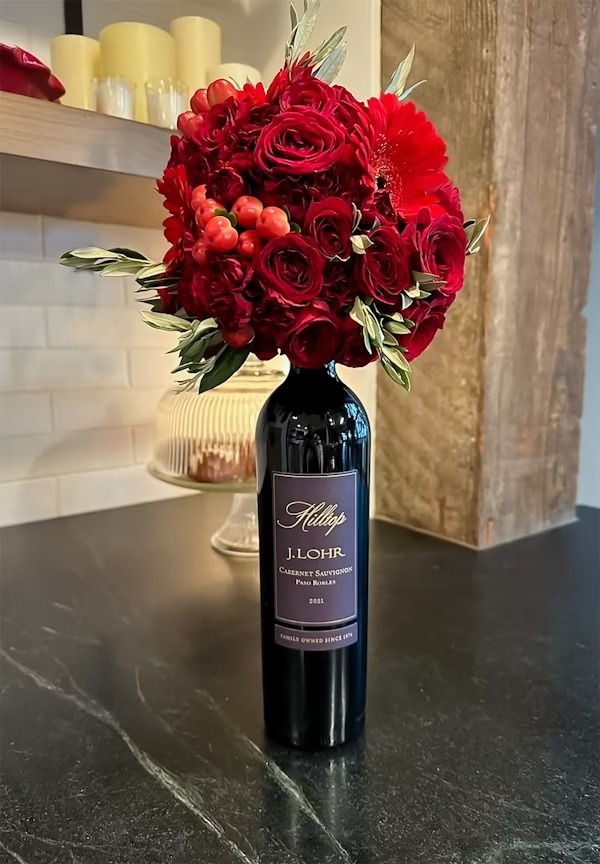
(206, 442)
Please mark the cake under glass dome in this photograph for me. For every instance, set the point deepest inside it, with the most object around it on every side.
(206, 441)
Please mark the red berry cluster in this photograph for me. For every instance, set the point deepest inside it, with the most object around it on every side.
(242, 229)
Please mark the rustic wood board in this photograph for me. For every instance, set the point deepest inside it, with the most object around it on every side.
(485, 448)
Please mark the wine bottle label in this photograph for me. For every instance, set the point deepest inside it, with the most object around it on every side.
(315, 558)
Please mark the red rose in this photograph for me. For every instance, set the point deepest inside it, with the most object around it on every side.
(225, 185)
(352, 350)
(329, 222)
(428, 318)
(442, 245)
(383, 271)
(290, 269)
(309, 91)
(299, 142)
(314, 337)
(217, 125)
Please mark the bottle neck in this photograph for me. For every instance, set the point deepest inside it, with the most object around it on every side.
(327, 372)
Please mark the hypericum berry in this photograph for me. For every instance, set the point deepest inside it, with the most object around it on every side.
(220, 234)
(272, 222)
(198, 196)
(188, 123)
(246, 210)
(206, 211)
(199, 102)
(219, 91)
(249, 244)
(238, 338)
(199, 250)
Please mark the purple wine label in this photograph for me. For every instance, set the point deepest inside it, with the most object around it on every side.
(316, 640)
(315, 548)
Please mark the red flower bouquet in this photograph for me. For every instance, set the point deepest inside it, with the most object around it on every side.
(303, 222)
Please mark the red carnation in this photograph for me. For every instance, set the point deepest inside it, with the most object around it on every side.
(314, 337)
(290, 269)
(409, 156)
(225, 185)
(339, 286)
(300, 142)
(352, 350)
(383, 271)
(242, 135)
(329, 222)
(223, 281)
(354, 118)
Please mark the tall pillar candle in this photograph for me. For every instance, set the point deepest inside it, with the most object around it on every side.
(75, 60)
(198, 48)
(139, 53)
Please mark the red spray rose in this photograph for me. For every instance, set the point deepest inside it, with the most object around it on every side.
(299, 142)
(329, 223)
(383, 271)
(290, 270)
(314, 337)
(442, 247)
(428, 318)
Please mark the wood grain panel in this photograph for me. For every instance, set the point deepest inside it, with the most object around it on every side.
(485, 447)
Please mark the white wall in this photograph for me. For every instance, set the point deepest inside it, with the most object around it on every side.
(589, 462)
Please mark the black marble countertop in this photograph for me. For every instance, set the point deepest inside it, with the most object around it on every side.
(131, 719)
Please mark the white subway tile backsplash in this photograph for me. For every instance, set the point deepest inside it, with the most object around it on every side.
(143, 444)
(94, 409)
(27, 456)
(24, 283)
(20, 236)
(24, 414)
(51, 369)
(104, 328)
(81, 375)
(59, 235)
(28, 501)
(22, 327)
(151, 368)
(120, 487)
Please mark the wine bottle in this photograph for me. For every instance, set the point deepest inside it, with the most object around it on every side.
(312, 445)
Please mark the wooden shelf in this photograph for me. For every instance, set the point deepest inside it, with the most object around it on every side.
(76, 164)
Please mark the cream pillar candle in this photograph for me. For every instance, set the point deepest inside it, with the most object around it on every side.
(237, 72)
(198, 47)
(139, 53)
(75, 60)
